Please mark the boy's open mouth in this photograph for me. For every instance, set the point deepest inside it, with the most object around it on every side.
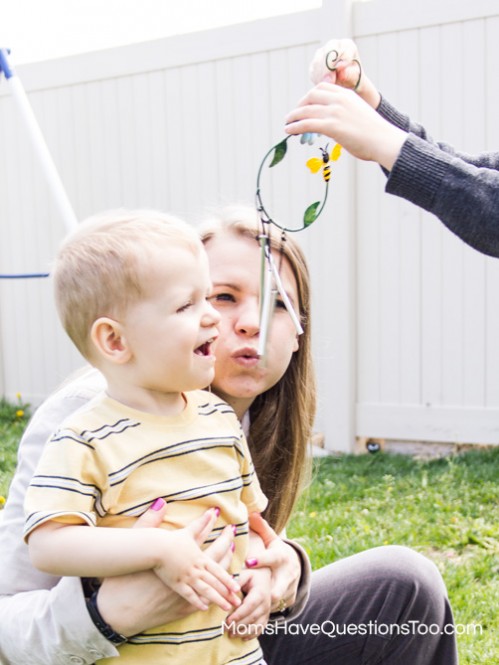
(204, 349)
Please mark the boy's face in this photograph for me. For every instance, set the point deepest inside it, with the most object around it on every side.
(170, 331)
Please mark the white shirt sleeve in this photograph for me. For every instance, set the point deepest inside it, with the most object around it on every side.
(43, 619)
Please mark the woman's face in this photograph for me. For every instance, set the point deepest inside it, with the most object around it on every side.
(235, 273)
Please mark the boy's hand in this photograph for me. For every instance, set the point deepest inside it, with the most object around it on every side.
(191, 573)
(153, 603)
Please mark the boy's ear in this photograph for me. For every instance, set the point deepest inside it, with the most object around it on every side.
(109, 341)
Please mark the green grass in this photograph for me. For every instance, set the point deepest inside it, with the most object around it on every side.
(13, 419)
(447, 509)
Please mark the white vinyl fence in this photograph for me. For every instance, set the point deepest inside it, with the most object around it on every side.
(427, 318)
(405, 322)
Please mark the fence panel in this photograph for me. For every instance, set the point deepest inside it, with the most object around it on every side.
(426, 365)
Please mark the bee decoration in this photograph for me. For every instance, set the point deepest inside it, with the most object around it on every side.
(270, 282)
(316, 163)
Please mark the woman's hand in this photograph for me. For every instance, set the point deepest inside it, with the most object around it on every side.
(138, 602)
(338, 61)
(283, 561)
(251, 617)
(333, 111)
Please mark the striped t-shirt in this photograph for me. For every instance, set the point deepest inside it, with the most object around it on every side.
(108, 463)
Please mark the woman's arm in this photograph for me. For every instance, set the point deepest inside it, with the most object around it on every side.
(461, 189)
(35, 608)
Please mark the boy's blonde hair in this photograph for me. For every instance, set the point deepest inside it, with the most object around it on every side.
(100, 268)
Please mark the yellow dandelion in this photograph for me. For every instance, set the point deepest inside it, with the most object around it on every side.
(20, 413)
(2, 500)
(312, 514)
(18, 395)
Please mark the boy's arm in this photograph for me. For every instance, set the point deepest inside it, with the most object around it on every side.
(83, 551)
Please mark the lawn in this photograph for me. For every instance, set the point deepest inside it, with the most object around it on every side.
(13, 419)
(447, 509)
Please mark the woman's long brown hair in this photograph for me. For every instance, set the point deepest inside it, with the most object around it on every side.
(282, 417)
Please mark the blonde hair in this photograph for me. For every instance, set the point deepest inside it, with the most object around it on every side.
(99, 268)
(282, 417)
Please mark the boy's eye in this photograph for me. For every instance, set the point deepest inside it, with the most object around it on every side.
(184, 307)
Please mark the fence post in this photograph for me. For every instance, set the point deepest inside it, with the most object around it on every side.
(337, 400)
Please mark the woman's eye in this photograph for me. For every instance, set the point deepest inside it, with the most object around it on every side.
(279, 304)
(184, 307)
(222, 297)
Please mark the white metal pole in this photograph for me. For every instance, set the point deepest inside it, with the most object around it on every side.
(40, 146)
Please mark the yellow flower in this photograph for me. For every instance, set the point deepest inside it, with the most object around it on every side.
(2, 500)
(19, 413)
(18, 395)
(313, 514)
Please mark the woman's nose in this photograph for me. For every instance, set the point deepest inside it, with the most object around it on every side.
(248, 320)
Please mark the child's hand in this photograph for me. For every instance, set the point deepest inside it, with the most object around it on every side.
(250, 618)
(191, 573)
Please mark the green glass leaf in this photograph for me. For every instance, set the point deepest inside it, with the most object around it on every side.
(311, 213)
(279, 153)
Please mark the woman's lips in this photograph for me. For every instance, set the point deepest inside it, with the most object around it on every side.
(247, 357)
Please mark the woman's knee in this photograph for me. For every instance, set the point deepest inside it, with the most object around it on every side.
(389, 575)
(415, 577)
(404, 563)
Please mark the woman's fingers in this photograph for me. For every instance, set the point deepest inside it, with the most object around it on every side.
(251, 617)
(221, 550)
(285, 565)
(258, 524)
(335, 62)
(153, 516)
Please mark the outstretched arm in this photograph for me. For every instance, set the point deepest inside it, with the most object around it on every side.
(462, 190)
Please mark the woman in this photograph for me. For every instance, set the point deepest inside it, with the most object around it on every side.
(462, 190)
(390, 586)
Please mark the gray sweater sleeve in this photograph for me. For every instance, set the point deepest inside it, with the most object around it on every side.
(462, 190)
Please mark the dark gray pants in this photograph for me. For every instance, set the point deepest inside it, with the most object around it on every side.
(392, 589)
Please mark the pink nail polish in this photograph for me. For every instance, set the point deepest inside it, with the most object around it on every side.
(232, 547)
(217, 510)
(234, 529)
(158, 504)
(251, 563)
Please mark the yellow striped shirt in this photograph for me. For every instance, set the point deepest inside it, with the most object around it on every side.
(108, 463)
